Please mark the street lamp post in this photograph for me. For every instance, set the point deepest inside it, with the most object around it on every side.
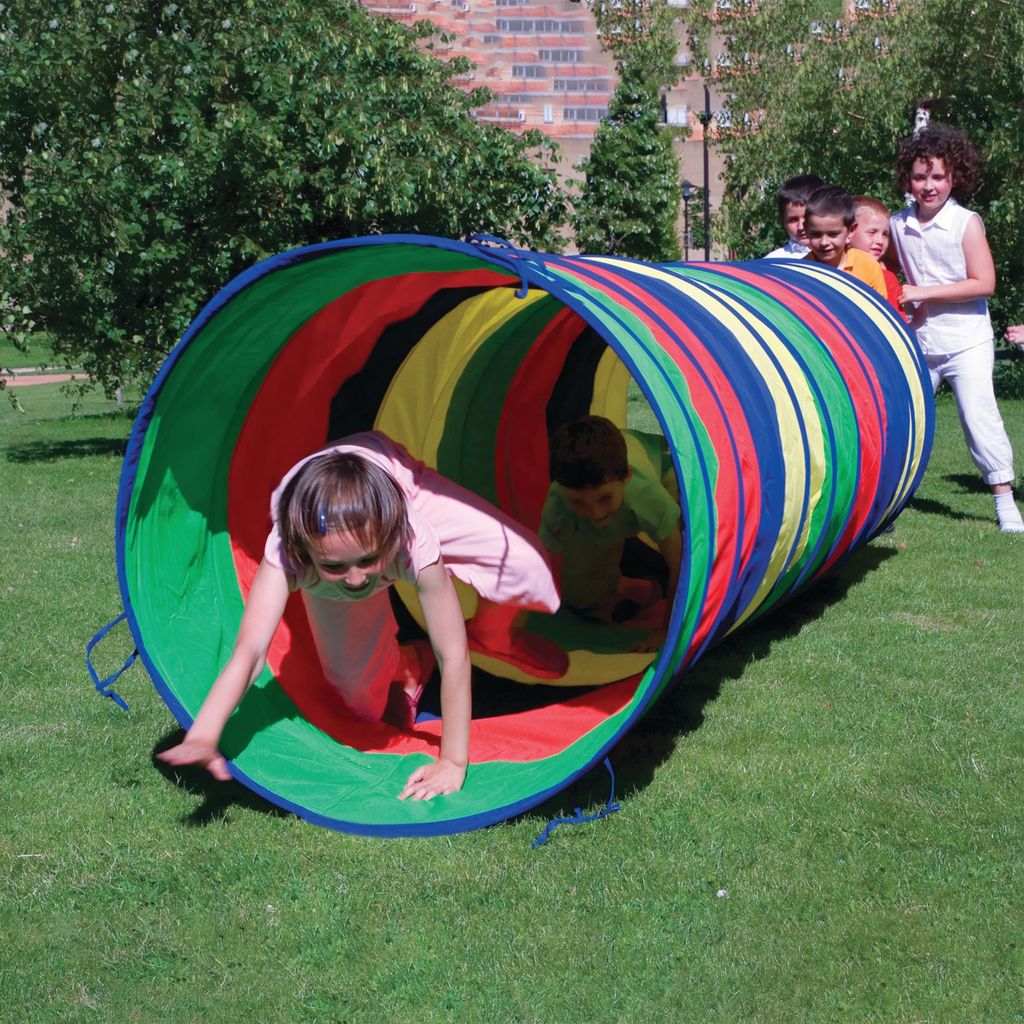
(705, 119)
(688, 191)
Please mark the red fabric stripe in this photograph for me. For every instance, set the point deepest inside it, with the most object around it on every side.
(521, 443)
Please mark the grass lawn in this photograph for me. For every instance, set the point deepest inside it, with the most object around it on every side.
(39, 352)
(823, 822)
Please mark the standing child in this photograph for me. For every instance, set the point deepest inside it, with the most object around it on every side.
(348, 521)
(607, 486)
(871, 234)
(792, 199)
(830, 222)
(950, 275)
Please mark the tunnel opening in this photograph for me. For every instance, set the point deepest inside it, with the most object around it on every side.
(794, 406)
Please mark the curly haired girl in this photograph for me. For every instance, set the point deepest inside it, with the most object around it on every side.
(950, 275)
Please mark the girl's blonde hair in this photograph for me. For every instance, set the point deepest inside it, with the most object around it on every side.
(343, 492)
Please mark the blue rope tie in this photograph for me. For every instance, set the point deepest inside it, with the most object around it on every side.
(103, 686)
(481, 238)
(578, 817)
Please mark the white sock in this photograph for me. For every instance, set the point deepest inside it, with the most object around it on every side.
(1008, 514)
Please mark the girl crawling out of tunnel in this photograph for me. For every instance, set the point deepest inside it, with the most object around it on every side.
(348, 522)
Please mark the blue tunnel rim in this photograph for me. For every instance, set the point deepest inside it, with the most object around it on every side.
(519, 263)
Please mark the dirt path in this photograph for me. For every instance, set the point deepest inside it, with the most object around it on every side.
(23, 379)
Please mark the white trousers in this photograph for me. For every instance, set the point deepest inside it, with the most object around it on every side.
(969, 374)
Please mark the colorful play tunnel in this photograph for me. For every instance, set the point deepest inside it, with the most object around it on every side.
(795, 406)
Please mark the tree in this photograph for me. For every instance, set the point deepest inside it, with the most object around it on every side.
(153, 151)
(629, 203)
(834, 96)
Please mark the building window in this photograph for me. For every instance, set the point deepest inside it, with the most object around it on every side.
(584, 113)
(527, 71)
(537, 25)
(561, 56)
(582, 85)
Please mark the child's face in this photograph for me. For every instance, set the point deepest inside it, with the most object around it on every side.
(598, 504)
(930, 185)
(871, 233)
(340, 558)
(793, 222)
(828, 237)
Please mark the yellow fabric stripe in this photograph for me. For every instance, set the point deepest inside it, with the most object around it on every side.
(610, 389)
(416, 403)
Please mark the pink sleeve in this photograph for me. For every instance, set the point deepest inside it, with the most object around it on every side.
(425, 548)
(273, 551)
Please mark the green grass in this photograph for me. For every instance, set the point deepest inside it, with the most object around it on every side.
(40, 352)
(847, 774)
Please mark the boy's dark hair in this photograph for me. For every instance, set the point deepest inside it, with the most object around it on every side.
(797, 190)
(588, 453)
(948, 144)
(830, 201)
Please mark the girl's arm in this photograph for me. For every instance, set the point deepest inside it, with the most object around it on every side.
(980, 282)
(447, 632)
(263, 610)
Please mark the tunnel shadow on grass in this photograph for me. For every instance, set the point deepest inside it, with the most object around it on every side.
(52, 451)
(680, 712)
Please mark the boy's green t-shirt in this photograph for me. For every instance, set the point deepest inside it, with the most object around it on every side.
(591, 554)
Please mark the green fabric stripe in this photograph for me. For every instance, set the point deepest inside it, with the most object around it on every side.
(284, 753)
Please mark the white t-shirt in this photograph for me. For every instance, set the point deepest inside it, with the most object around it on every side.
(791, 250)
(933, 253)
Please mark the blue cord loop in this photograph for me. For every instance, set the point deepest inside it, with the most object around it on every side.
(103, 686)
(578, 817)
(483, 239)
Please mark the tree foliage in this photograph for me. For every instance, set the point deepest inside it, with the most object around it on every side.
(629, 203)
(835, 96)
(151, 151)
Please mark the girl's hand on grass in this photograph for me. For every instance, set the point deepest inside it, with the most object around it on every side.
(201, 752)
(434, 779)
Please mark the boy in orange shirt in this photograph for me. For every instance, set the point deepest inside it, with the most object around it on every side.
(829, 220)
(870, 233)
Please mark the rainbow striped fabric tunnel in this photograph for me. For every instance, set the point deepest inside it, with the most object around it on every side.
(794, 402)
